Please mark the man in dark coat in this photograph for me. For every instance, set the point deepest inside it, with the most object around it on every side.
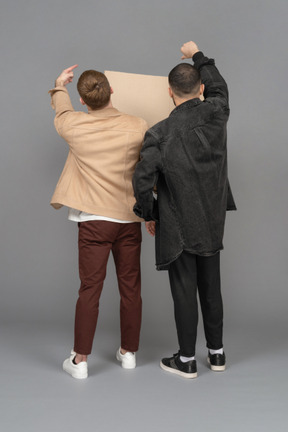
(185, 158)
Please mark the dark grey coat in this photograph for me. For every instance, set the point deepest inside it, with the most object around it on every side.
(185, 157)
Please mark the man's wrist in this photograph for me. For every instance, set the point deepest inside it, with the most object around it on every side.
(197, 56)
(59, 82)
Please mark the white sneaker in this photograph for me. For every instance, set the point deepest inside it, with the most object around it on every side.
(79, 371)
(128, 360)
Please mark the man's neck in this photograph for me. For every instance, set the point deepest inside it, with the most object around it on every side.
(179, 101)
(109, 105)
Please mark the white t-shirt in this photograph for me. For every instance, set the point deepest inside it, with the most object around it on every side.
(79, 216)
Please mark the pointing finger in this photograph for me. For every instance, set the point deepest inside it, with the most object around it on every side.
(70, 69)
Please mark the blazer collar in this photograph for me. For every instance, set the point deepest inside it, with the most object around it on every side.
(106, 112)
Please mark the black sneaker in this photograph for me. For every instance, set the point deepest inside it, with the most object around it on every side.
(175, 365)
(217, 362)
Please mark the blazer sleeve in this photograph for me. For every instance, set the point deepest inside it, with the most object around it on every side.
(61, 103)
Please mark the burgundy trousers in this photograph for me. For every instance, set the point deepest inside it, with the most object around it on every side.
(96, 240)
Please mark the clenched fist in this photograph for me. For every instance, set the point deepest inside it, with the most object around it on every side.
(188, 50)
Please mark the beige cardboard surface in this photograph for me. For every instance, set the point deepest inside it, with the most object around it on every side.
(144, 96)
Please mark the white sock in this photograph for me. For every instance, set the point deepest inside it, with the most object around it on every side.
(186, 359)
(219, 351)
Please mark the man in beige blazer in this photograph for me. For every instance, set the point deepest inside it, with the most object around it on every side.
(96, 186)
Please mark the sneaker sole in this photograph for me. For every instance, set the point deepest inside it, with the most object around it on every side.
(177, 372)
(216, 368)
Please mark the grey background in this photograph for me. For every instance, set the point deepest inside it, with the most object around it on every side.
(39, 276)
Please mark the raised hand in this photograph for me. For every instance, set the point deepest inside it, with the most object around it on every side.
(188, 49)
(66, 76)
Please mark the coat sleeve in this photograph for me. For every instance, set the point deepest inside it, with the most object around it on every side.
(145, 178)
(215, 86)
(230, 199)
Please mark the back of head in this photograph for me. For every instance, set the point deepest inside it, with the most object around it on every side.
(94, 89)
(184, 80)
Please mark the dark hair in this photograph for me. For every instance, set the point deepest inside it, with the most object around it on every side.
(184, 79)
(94, 89)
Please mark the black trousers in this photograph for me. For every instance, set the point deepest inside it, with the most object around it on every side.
(189, 274)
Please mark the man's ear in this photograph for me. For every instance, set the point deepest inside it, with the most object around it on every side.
(81, 101)
(170, 92)
(111, 90)
(202, 88)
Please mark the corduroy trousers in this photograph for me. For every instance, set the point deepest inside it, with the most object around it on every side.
(96, 240)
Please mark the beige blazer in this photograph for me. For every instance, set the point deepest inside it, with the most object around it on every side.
(104, 147)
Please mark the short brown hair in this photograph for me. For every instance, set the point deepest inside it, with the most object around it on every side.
(184, 79)
(94, 89)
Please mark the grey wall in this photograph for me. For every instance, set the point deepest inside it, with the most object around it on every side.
(39, 277)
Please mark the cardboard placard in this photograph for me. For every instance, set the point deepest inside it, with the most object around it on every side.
(143, 96)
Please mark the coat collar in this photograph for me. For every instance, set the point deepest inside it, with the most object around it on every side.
(186, 105)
